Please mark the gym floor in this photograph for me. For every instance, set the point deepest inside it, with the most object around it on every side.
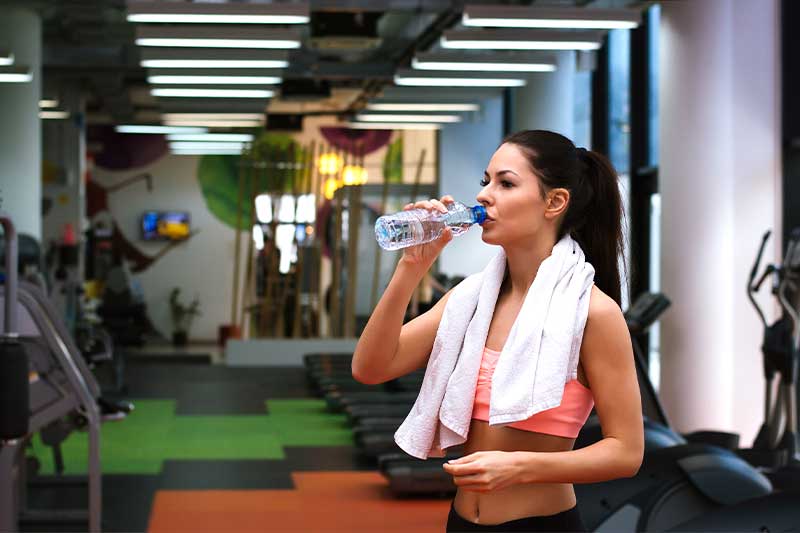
(214, 448)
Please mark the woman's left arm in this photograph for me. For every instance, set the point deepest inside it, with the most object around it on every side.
(608, 361)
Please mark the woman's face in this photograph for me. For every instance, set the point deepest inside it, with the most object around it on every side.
(512, 196)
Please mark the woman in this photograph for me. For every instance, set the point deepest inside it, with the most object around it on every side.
(538, 190)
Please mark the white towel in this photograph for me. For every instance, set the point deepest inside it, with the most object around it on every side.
(539, 357)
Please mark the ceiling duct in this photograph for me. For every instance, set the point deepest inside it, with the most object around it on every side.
(305, 89)
(344, 32)
(284, 122)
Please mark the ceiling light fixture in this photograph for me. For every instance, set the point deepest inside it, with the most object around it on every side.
(6, 58)
(380, 106)
(213, 37)
(435, 78)
(213, 63)
(211, 93)
(521, 39)
(393, 126)
(213, 116)
(212, 58)
(146, 128)
(484, 63)
(504, 16)
(213, 80)
(227, 13)
(217, 123)
(53, 115)
(205, 137)
(15, 75)
(206, 151)
(204, 145)
(380, 117)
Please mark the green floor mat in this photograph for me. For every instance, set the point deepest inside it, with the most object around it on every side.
(152, 433)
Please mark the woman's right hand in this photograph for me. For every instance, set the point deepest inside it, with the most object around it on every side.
(423, 255)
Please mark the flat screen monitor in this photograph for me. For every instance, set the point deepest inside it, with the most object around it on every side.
(165, 225)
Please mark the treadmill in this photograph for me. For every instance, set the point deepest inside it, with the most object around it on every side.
(60, 384)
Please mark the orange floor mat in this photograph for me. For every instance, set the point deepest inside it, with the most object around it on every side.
(321, 501)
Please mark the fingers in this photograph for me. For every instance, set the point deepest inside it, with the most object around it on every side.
(431, 205)
(462, 470)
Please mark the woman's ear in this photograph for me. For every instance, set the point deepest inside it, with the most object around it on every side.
(557, 203)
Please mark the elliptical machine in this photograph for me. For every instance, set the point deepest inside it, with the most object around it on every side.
(776, 448)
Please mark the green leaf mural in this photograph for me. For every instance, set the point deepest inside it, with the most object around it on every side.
(219, 180)
(393, 162)
(218, 176)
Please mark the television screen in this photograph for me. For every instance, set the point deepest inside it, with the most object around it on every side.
(165, 225)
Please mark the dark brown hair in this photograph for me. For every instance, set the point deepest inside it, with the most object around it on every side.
(594, 214)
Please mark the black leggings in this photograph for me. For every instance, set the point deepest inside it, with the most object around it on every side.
(567, 521)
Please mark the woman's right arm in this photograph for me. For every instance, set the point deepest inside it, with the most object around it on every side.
(387, 348)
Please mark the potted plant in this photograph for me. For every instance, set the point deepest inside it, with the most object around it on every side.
(182, 317)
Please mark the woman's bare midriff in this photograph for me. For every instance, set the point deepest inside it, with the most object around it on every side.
(521, 500)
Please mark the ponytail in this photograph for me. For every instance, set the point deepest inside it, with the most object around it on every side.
(599, 223)
(594, 214)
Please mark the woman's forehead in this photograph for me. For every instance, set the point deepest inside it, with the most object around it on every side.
(509, 157)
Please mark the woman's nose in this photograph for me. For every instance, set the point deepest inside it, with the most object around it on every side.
(482, 197)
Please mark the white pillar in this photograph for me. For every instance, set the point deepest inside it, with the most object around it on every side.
(20, 134)
(547, 102)
(720, 188)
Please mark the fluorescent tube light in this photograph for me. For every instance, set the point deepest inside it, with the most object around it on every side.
(213, 116)
(211, 93)
(217, 123)
(392, 126)
(380, 117)
(214, 80)
(231, 137)
(6, 58)
(416, 78)
(219, 43)
(213, 37)
(143, 128)
(53, 115)
(206, 151)
(489, 63)
(227, 13)
(507, 16)
(212, 58)
(15, 75)
(504, 39)
(421, 107)
(214, 63)
(48, 103)
(204, 145)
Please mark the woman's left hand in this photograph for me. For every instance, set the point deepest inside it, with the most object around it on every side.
(486, 471)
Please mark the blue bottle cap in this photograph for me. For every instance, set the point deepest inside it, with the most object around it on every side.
(480, 213)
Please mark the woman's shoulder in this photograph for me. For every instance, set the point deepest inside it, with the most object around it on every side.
(602, 307)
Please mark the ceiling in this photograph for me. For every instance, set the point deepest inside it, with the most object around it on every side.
(90, 43)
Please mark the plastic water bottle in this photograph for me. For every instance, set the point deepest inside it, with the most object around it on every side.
(418, 226)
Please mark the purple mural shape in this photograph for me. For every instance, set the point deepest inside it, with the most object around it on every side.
(356, 142)
(121, 151)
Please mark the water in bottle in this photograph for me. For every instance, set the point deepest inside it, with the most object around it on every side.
(418, 226)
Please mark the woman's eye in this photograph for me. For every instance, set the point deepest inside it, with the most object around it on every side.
(506, 184)
(484, 182)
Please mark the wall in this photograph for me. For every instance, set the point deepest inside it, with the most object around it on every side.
(465, 150)
(202, 267)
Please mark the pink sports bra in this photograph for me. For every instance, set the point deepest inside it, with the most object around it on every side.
(566, 420)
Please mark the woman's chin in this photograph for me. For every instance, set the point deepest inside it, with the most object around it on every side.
(487, 237)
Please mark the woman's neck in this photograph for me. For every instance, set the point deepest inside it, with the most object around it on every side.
(523, 263)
